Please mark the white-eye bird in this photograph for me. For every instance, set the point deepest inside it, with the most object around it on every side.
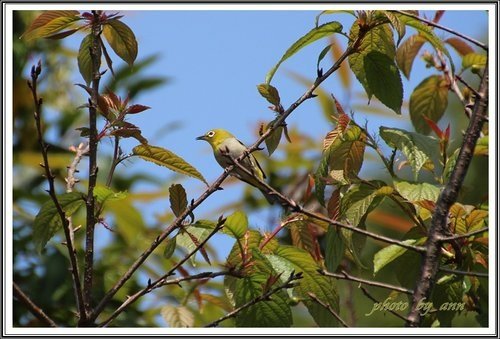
(225, 147)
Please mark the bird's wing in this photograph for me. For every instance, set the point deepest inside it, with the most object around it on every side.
(254, 160)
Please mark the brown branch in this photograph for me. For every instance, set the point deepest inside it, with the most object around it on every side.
(448, 196)
(265, 297)
(32, 307)
(216, 184)
(95, 55)
(345, 276)
(286, 201)
(449, 30)
(328, 307)
(162, 281)
(71, 180)
(459, 272)
(369, 296)
(35, 72)
(466, 235)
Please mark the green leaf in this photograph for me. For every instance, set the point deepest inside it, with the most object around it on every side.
(379, 39)
(429, 99)
(323, 287)
(273, 313)
(49, 23)
(104, 194)
(48, 222)
(178, 199)
(85, 59)
(388, 254)
(270, 93)
(323, 54)
(237, 224)
(450, 164)
(417, 192)
(313, 35)
(166, 158)
(170, 246)
(274, 139)
(121, 39)
(189, 238)
(406, 53)
(428, 34)
(416, 147)
(316, 22)
(361, 199)
(482, 146)
(319, 179)
(177, 316)
(474, 60)
(396, 24)
(334, 248)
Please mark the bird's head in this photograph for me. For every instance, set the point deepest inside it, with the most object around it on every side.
(215, 137)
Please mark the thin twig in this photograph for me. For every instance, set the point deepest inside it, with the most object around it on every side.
(162, 281)
(466, 235)
(345, 276)
(286, 201)
(35, 72)
(95, 56)
(449, 30)
(216, 184)
(459, 272)
(447, 198)
(472, 89)
(265, 297)
(32, 307)
(328, 307)
(369, 296)
(115, 161)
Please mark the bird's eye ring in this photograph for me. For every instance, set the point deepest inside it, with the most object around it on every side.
(210, 134)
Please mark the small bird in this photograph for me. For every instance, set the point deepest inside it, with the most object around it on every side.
(225, 147)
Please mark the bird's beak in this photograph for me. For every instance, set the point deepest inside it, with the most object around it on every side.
(201, 137)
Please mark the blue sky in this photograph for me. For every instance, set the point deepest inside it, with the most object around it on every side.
(215, 59)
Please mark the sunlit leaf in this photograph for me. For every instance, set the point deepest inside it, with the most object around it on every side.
(406, 53)
(396, 24)
(388, 254)
(49, 23)
(48, 221)
(237, 224)
(429, 99)
(121, 39)
(189, 238)
(166, 158)
(313, 35)
(417, 192)
(474, 60)
(177, 316)
(85, 59)
(482, 146)
(104, 194)
(270, 93)
(459, 45)
(273, 141)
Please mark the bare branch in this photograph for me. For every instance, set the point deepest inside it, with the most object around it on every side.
(438, 229)
(33, 85)
(466, 235)
(265, 297)
(459, 272)
(32, 307)
(449, 30)
(216, 184)
(328, 307)
(345, 276)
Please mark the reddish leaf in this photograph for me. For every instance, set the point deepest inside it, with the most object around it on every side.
(438, 16)
(434, 127)
(202, 249)
(459, 45)
(62, 35)
(45, 18)
(333, 206)
(134, 109)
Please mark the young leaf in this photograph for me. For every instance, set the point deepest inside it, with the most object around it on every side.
(237, 224)
(121, 39)
(49, 23)
(303, 236)
(313, 35)
(361, 199)
(429, 99)
(396, 24)
(48, 222)
(316, 22)
(103, 194)
(388, 254)
(178, 199)
(459, 45)
(334, 248)
(320, 180)
(177, 316)
(270, 93)
(85, 60)
(406, 53)
(166, 158)
(323, 287)
(323, 54)
(417, 148)
(189, 238)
